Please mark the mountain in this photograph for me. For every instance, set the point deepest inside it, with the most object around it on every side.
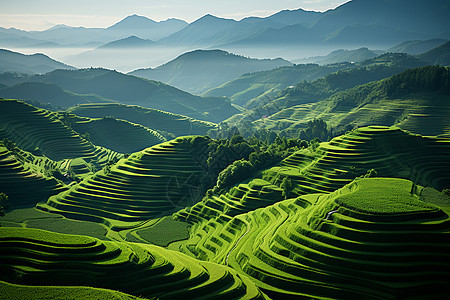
(297, 16)
(309, 92)
(422, 18)
(201, 32)
(197, 71)
(35, 63)
(416, 47)
(63, 36)
(146, 28)
(437, 56)
(129, 42)
(117, 87)
(374, 24)
(342, 55)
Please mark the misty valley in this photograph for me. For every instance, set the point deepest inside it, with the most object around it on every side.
(302, 155)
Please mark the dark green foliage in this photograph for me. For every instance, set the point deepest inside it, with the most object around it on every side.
(234, 173)
(287, 187)
(425, 79)
(8, 144)
(316, 129)
(4, 203)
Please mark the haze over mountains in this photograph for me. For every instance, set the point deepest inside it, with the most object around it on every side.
(291, 34)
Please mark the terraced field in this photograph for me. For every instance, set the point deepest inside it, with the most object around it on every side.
(155, 119)
(22, 182)
(389, 150)
(37, 257)
(372, 239)
(17, 291)
(42, 132)
(148, 184)
(118, 135)
(424, 114)
(240, 199)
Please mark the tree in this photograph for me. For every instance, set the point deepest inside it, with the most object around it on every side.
(9, 144)
(4, 203)
(234, 173)
(286, 186)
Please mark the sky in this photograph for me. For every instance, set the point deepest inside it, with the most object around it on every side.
(43, 14)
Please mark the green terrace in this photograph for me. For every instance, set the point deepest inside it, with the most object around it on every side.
(388, 150)
(35, 257)
(372, 239)
(21, 180)
(148, 184)
(155, 119)
(43, 133)
(118, 135)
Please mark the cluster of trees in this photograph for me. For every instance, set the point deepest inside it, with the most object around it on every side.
(229, 161)
(424, 79)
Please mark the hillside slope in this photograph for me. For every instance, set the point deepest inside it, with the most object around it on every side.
(416, 100)
(148, 184)
(133, 90)
(352, 243)
(118, 135)
(152, 118)
(47, 93)
(22, 177)
(41, 131)
(266, 84)
(198, 71)
(36, 63)
(51, 259)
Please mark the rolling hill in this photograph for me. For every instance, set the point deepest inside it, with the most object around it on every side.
(416, 100)
(416, 47)
(126, 89)
(260, 86)
(20, 169)
(196, 71)
(306, 92)
(47, 93)
(342, 55)
(43, 132)
(437, 56)
(130, 42)
(32, 64)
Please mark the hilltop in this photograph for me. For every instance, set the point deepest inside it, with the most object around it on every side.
(197, 71)
(38, 63)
